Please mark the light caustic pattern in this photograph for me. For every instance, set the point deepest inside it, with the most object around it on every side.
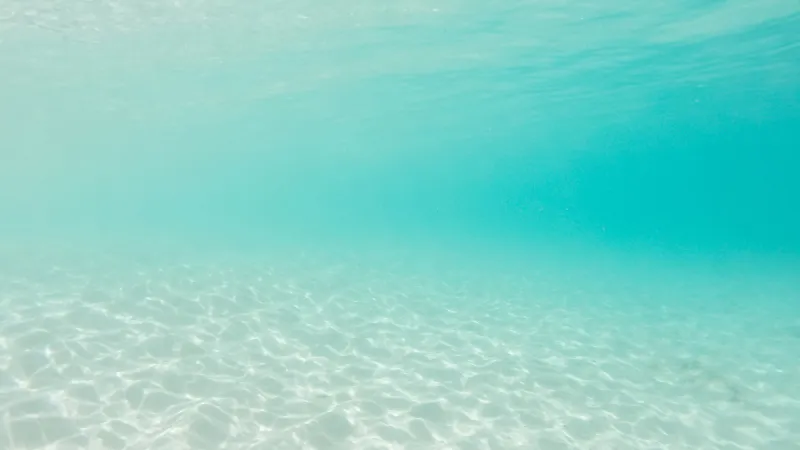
(318, 356)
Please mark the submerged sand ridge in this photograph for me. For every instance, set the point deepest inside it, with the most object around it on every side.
(316, 355)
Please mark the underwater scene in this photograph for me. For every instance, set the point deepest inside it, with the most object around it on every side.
(366, 225)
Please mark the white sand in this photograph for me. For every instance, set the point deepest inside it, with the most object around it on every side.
(312, 355)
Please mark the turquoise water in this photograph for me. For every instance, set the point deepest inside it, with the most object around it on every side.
(399, 225)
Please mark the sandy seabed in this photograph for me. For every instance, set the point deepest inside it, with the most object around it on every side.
(325, 355)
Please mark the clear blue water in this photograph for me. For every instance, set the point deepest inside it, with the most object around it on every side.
(423, 225)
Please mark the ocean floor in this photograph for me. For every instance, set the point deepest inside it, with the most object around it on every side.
(347, 351)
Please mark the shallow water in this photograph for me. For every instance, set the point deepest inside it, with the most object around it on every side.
(354, 225)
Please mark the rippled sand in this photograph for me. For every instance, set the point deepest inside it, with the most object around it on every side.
(309, 354)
